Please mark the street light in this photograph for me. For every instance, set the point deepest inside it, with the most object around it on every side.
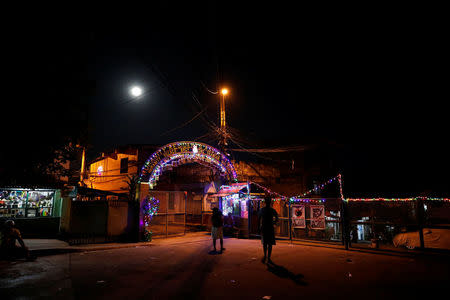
(224, 92)
(223, 123)
(136, 91)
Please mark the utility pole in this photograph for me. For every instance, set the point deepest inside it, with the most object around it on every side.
(223, 124)
(83, 163)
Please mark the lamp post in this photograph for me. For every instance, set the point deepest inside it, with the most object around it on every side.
(223, 123)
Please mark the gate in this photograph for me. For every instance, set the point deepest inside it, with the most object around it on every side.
(193, 211)
(171, 217)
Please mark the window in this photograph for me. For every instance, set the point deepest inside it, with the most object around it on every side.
(100, 171)
(124, 165)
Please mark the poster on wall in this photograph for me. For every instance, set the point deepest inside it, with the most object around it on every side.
(298, 216)
(317, 216)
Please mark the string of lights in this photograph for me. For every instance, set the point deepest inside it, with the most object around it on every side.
(150, 209)
(300, 198)
(395, 199)
(183, 152)
(268, 191)
(307, 200)
(320, 187)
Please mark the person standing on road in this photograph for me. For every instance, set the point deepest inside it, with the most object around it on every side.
(217, 228)
(267, 217)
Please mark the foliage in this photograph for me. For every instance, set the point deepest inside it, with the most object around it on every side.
(132, 184)
(147, 235)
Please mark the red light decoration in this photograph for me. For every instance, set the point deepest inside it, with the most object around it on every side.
(395, 199)
(179, 153)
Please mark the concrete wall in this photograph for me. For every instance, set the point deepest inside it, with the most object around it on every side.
(89, 217)
(98, 218)
(66, 210)
(117, 218)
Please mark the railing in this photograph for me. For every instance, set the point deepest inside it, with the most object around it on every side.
(168, 224)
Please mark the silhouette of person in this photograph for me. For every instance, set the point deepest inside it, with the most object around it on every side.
(217, 228)
(229, 227)
(8, 246)
(266, 221)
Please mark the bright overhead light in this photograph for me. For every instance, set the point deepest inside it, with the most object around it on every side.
(224, 91)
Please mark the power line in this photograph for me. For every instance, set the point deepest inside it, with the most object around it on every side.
(205, 118)
(202, 136)
(185, 123)
(206, 88)
(273, 150)
(255, 154)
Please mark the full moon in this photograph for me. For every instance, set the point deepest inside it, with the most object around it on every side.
(136, 91)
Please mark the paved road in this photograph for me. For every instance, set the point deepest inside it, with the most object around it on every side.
(183, 268)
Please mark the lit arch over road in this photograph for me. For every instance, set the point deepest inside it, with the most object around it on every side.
(179, 153)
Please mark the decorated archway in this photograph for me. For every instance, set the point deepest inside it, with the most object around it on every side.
(179, 153)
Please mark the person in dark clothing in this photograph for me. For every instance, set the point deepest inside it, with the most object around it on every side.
(217, 228)
(8, 248)
(229, 226)
(267, 217)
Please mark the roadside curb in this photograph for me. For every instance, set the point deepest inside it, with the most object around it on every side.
(73, 249)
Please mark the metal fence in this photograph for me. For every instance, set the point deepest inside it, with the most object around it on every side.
(399, 225)
(393, 225)
(171, 217)
(194, 216)
(285, 228)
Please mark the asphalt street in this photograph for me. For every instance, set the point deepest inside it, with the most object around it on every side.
(185, 268)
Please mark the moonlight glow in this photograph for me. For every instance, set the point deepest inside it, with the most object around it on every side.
(136, 91)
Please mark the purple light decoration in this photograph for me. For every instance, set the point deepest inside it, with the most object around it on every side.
(183, 152)
(149, 209)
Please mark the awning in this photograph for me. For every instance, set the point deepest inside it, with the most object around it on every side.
(234, 188)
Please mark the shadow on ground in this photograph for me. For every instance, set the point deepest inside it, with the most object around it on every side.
(282, 272)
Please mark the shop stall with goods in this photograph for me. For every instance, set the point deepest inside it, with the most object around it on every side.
(29, 203)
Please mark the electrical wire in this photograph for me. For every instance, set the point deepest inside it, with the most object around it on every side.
(206, 119)
(185, 123)
(273, 150)
(206, 88)
(258, 155)
(131, 164)
(202, 136)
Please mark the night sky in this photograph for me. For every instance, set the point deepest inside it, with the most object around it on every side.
(373, 84)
